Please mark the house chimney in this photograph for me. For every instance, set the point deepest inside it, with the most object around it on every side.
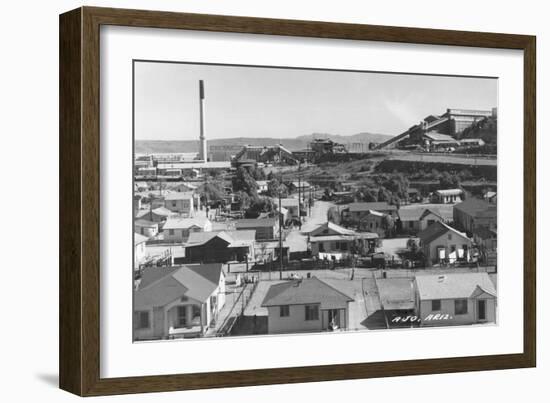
(202, 146)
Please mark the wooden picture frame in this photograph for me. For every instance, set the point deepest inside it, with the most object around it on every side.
(79, 347)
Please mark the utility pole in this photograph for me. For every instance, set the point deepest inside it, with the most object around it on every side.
(299, 196)
(280, 239)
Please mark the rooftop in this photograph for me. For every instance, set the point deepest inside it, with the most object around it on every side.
(475, 207)
(377, 206)
(437, 229)
(416, 214)
(329, 228)
(454, 285)
(396, 293)
(306, 291)
(162, 285)
(138, 238)
(233, 238)
(178, 196)
(440, 137)
(174, 222)
(256, 222)
(449, 192)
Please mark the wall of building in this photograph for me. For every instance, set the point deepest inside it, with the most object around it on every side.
(293, 323)
(448, 307)
(446, 241)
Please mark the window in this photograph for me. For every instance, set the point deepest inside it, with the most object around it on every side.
(284, 311)
(337, 246)
(411, 224)
(312, 312)
(143, 320)
(436, 305)
(449, 236)
(321, 247)
(170, 232)
(182, 316)
(343, 246)
(461, 306)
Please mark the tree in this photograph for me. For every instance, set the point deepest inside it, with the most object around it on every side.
(244, 182)
(244, 200)
(261, 205)
(383, 195)
(275, 188)
(211, 191)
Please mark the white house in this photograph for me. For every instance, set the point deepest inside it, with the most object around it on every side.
(455, 299)
(441, 243)
(146, 228)
(306, 305)
(178, 301)
(332, 240)
(140, 252)
(182, 202)
(178, 229)
(448, 196)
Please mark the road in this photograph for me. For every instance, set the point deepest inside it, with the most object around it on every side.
(297, 239)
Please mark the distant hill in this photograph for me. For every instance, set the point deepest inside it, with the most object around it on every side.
(298, 143)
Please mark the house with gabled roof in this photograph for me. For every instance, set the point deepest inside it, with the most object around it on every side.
(306, 305)
(441, 243)
(182, 202)
(455, 299)
(266, 228)
(146, 228)
(415, 219)
(359, 210)
(178, 301)
(178, 229)
(220, 246)
(473, 213)
(329, 239)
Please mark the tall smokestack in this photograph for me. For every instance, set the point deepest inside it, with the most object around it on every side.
(202, 147)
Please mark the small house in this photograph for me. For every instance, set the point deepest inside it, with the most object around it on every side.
(455, 299)
(441, 243)
(359, 210)
(473, 213)
(220, 247)
(292, 206)
(415, 219)
(448, 196)
(332, 240)
(178, 229)
(182, 202)
(266, 228)
(178, 301)
(146, 228)
(306, 305)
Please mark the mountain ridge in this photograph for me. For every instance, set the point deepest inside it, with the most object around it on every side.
(293, 144)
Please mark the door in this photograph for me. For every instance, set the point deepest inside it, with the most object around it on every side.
(482, 310)
(333, 319)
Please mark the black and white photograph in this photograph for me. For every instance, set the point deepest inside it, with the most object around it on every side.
(277, 200)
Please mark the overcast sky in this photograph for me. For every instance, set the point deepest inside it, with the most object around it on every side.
(286, 103)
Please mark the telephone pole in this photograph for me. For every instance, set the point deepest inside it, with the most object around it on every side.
(280, 239)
